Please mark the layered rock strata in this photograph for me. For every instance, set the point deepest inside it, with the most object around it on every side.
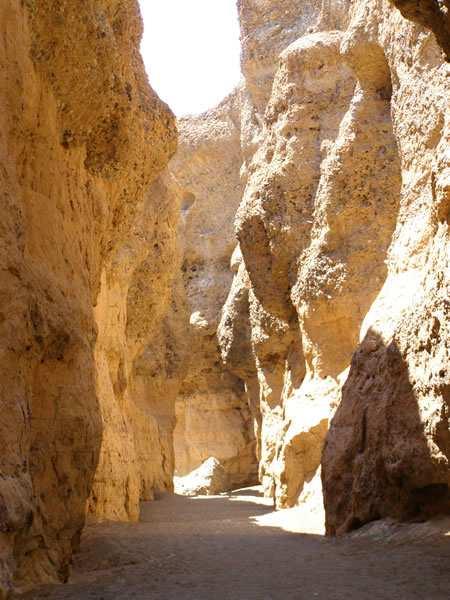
(82, 138)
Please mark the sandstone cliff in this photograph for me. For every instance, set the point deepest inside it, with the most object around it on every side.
(329, 358)
(394, 458)
(343, 238)
(82, 138)
(212, 413)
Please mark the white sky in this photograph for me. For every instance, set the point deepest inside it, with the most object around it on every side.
(191, 51)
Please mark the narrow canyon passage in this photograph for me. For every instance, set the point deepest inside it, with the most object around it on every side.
(233, 547)
(254, 295)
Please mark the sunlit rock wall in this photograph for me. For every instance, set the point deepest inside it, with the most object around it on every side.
(343, 252)
(140, 355)
(82, 138)
(212, 413)
(306, 93)
(388, 450)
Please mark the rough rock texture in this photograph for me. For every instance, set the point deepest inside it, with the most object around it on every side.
(82, 138)
(343, 240)
(338, 303)
(259, 328)
(433, 14)
(388, 450)
(212, 413)
(140, 353)
(209, 479)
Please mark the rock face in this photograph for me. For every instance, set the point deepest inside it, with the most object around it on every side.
(259, 331)
(82, 138)
(330, 355)
(212, 413)
(388, 448)
(432, 14)
(208, 479)
(140, 352)
(343, 252)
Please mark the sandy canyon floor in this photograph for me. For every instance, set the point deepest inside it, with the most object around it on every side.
(234, 546)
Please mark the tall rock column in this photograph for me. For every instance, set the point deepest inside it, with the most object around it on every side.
(343, 230)
(307, 92)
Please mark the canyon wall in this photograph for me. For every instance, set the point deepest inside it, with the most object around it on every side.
(82, 139)
(329, 358)
(328, 242)
(393, 460)
(338, 311)
(213, 419)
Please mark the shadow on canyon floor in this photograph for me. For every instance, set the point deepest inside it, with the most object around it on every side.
(209, 547)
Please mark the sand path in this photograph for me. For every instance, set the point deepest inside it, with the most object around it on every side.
(232, 547)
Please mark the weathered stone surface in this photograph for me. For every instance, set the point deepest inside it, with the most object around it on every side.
(82, 137)
(343, 231)
(387, 453)
(433, 14)
(212, 414)
(140, 353)
(209, 479)
(273, 226)
(114, 272)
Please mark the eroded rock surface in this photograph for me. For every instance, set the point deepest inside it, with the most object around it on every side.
(433, 14)
(212, 413)
(208, 479)
(334, 155)
(343, 233)
(82, 138)
(399, 376)
(311, 91)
